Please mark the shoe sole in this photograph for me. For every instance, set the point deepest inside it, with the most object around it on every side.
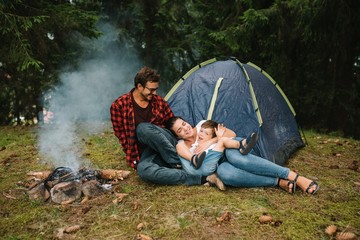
(250, 145)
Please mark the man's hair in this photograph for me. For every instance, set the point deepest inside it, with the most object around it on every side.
(146, 74)
(210, 124)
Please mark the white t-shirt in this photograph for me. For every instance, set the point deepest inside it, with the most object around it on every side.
(194, 145)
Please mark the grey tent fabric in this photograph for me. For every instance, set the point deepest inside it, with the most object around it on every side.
(245, 100)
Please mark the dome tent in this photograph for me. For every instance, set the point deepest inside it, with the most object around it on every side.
(242, 97)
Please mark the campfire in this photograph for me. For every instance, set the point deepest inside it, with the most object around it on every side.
(65, 186)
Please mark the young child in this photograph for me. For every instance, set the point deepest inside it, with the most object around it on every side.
(207, 130)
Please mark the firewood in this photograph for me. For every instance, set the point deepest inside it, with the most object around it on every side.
(39, 192)
(92, 188)
(39, 175)
(111, 174)
(66, 192)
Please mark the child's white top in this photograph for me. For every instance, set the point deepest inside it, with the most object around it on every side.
(194, 145)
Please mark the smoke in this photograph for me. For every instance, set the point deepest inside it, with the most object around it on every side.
(106, 71)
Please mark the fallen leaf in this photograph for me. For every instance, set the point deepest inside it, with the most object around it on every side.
(225, 216)
(330, 230)
(357, 184)
(119, 197)
(60, 233)
(142, 237)
(265, 219)
(72, 229)
(345, 236)
(9, 196)
(135, 205)
(140, 226)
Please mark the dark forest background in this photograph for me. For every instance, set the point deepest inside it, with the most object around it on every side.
(310, 47)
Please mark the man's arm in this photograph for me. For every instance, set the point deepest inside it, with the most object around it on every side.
(168, 113)
(116, 120)
(161, 111)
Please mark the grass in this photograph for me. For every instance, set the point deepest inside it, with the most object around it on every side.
(181, 212)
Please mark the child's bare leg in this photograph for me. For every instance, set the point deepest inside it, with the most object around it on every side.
(187, 155)
(244, 145)
(225, 142)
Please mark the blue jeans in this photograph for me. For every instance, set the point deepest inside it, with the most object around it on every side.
(207, 168)
(159, 159)
(249, 170)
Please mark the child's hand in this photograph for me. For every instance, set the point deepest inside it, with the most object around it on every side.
(220, 130)
(202, 147)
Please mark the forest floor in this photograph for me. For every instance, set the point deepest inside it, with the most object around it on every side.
(180, 212)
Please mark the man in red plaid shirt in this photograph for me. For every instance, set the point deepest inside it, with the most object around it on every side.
(138, 119)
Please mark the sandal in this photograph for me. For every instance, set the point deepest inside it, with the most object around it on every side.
(312, 183)
(197, 160)
(250, 143)
(294, 181)
(309, 187)
(292, 189)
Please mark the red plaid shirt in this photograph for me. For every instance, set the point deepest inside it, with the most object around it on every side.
(123, 121)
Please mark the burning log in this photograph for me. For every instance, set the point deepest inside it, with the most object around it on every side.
(65, 186)
(92, 188)
(66, 192)
(39, 192)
